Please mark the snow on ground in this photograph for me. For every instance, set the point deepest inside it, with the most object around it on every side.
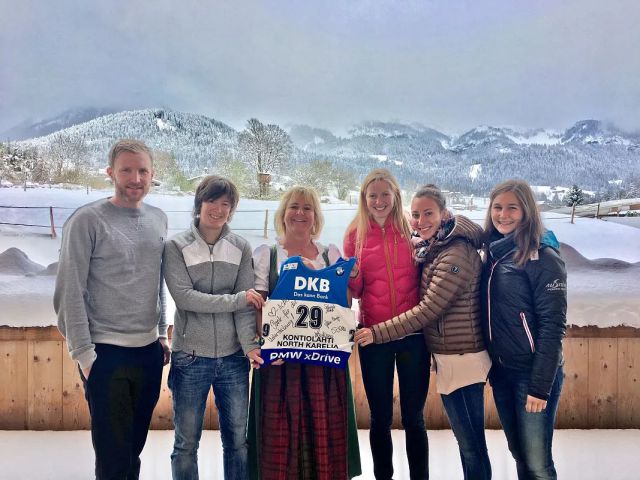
(603, 296)
(578, 454)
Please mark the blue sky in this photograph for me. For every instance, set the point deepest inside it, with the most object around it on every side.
(451, 65)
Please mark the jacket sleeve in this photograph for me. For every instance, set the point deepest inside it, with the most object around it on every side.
(452, 272)
(78, 239)
(356, 284)
(186, 297)
(548, 280)
(245, 318)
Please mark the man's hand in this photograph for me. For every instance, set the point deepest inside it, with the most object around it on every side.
(535, 405)
(255, 358)
(363, 337)
(255, 299)
(166, 349)
(86, 372)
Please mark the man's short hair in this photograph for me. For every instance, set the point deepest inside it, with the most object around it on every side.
(128, 145)
(211, 188)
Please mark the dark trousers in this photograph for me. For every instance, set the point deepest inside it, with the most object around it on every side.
(529, 435)
(122, 391)
(465, 411)
(410, 357)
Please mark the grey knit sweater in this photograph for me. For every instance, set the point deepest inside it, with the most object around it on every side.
(108, 284)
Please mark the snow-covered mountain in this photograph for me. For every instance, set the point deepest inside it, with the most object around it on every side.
(28, 129)
(589, 153)
(482, 156)
(195, 140)
(594, 132)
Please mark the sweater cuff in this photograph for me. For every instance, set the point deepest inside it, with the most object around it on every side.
(247, 347)
(241, 300)
(86, 358)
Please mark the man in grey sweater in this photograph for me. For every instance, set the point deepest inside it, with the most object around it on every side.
(110, 308)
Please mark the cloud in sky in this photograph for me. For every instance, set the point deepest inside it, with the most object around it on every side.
(450, 65)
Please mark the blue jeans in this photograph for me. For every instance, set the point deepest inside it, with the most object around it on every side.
(411, 358)
(190, 379)
(529, 435)
(465, 410)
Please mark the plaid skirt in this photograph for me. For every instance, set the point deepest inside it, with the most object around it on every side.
(302, 424)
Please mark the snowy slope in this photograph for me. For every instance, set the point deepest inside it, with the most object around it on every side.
(601, 293)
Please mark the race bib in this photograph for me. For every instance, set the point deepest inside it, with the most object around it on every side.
(307, 318)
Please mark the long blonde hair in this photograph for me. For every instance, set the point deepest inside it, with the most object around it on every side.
(360, 223)
(308, 194)
(527, 235)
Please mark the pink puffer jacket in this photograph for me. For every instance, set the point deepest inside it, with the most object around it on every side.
(388, 282)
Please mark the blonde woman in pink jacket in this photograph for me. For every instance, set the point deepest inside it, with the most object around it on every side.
(387, 283)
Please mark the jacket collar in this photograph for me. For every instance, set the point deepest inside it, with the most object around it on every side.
(198, 236)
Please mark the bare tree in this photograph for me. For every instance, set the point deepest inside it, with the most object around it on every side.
(67, 158)
(265, 147)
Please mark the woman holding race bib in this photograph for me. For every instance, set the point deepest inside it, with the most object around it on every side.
(387, 284)
(302, 418)
(209, 274)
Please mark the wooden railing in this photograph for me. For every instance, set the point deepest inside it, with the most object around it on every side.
(40, 388)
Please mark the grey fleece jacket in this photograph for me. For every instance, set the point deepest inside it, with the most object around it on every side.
(209, 284)
(108, 284)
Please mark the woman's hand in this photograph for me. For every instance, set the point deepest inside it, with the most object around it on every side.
(255, 358)
(363, 337)
(535, 405)
(354, 271)
(255, 299)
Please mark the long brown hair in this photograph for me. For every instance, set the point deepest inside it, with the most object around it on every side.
(360, 223)
(527, 235)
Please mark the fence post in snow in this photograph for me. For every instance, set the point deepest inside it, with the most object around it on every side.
(266, 222)
(573, 212)
(53, 226)
(598, 211)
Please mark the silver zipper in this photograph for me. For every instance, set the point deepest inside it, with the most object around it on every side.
(523, 317)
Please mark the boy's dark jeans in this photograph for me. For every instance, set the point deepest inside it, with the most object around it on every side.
(122, 391)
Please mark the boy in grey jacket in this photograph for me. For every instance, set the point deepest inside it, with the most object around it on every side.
(108, 300)
(209, 272)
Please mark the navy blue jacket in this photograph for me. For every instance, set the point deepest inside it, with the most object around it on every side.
(525, 310)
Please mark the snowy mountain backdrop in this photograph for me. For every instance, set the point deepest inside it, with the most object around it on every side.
(589, 153)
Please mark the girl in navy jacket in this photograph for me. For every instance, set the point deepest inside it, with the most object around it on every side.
(525, 296)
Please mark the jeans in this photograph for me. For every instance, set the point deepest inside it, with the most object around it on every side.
(529, 435)
(410, 357)
(190, 379)
(122, 391)
(465, 410)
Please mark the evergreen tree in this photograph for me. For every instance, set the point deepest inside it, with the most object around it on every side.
(574, 196)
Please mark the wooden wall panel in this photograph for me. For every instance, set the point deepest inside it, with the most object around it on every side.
(163, 413)
(603, 382)
(573, 411)
(75, 410)
(628, 413)
(44, 385)
(359, 395)
(42, 388)
(491, 419)
(13, 390)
